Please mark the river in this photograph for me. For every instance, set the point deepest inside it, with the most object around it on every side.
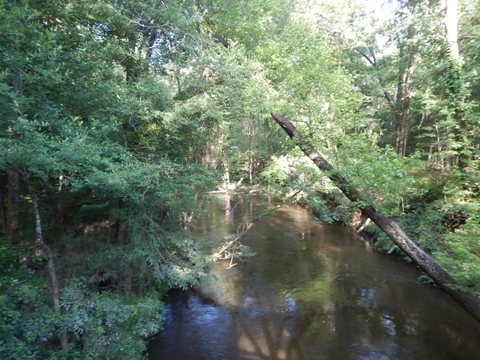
(312, 291)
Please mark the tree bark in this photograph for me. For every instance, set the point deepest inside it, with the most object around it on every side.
(118, 223)
(3, 211)
(388, 226)
(456, 92)
(13, 177)
(52, 273)
(451, 28)
(12, 205)
(407, 60)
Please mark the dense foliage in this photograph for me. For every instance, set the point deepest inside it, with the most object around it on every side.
(118, 116)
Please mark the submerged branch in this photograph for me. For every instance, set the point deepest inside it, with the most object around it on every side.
(240, 232)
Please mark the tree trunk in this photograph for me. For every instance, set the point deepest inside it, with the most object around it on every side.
(3, 211)
(13, 178)
(129, 278)
(186, 220)
(226, 175)
(45, 249)
(242, 230)
(407, 60)
(451, 28)
(456, 92)
(269, 139)
(12, 205)
(118, 224)
(389, 226)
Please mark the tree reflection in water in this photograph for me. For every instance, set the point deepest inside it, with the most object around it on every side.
(311, 292)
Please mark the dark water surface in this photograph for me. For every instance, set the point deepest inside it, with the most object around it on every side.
(312, 291)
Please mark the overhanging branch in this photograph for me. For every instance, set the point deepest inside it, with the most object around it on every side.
(388, 226)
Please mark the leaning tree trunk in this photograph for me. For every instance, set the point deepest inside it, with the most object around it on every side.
(52, 273)
(389, 226)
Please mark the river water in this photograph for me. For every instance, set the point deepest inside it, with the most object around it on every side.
(312, 291)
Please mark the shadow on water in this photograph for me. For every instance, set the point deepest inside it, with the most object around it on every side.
(311, 292)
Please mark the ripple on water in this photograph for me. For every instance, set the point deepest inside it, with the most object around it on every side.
(312, 292)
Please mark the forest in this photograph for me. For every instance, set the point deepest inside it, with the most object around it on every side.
(119, 117)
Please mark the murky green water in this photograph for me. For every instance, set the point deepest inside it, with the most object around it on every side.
(312, 291)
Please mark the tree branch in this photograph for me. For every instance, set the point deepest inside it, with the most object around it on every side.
(373, 61)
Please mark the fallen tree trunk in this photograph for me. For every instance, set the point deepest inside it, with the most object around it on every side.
(241, 231)
(470, 302)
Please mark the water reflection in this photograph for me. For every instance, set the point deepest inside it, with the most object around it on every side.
(311, 292)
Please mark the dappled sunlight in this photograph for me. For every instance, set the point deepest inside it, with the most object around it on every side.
(270, 342)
